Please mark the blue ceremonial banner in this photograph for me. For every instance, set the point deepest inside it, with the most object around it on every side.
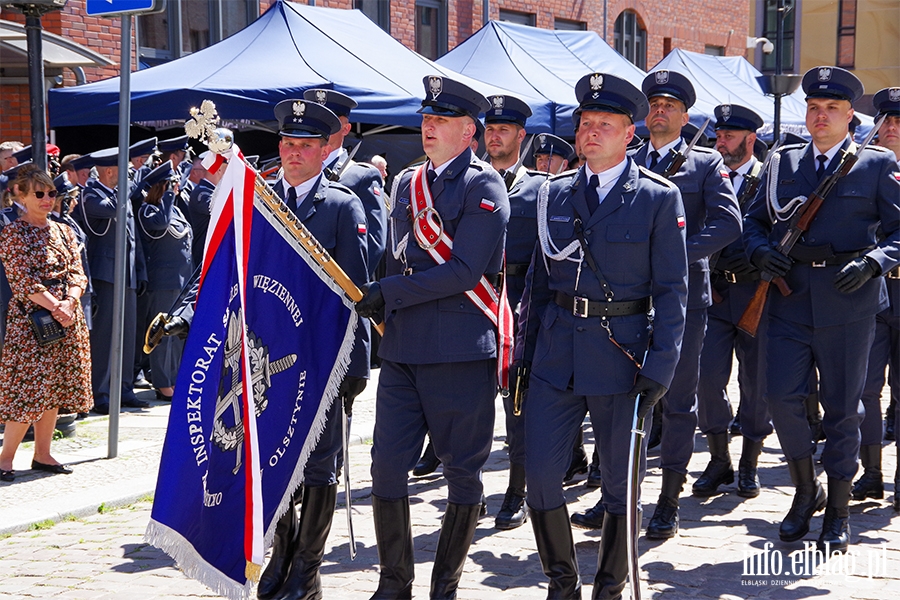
(268, 347)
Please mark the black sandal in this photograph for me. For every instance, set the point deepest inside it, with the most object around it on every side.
(7, 475)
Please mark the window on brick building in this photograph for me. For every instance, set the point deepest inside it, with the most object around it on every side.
(190, 25)
(770, 24)
(431, 28)
(846, 42)
(379, 11)
(631, 38)
(513, 16)
(714, 50)
(569, 25)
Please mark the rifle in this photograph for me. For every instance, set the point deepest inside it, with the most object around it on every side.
(336, 175)
(678, 158)
(800, 224)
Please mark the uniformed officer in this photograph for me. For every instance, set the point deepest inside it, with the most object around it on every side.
(439, 350)
(504, 133)
(611, 246)
(7, 216)
(552, 154)
(67, 198)
(200, 205)
(713, 221)
(98, 211)
(886, 347)
(336, 218)
(139, 154)
(734, 280)
(829, 318)
(81, 167)
(364, 180)
(167, 239)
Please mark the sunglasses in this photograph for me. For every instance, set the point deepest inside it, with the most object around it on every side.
(51, 193)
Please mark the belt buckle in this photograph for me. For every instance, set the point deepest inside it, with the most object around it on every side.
(893, 273)
(730, 277)
(818, 264)
(580, 307)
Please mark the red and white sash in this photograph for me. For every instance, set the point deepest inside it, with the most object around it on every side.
(429, 233)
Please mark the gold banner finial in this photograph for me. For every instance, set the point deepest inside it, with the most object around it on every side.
(203, 122)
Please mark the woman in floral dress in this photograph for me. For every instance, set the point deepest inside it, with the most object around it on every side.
(43, 266)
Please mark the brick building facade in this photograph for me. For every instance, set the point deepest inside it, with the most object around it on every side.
(644, 35)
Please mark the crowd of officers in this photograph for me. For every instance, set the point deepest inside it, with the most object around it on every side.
(628, 265)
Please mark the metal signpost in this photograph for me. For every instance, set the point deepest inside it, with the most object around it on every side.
(123, 9)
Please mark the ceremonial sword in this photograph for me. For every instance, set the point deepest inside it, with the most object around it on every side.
(633, 524)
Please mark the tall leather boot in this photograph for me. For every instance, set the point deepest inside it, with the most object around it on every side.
(556, 548)
(457, 532)
(303, 581)
(719, 470)
(592, 518)
(871, 484)
(809, 498)
(282, 552)
(814, 417)
(513, 514)
(889, 433)
(664, 522)
(748, 478)
(393, 535)
(612, 561)
(428, 463)
(835, 536)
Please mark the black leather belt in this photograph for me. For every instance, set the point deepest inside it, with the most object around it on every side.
(517, 270)
(584, 308)
(49, 282)
(495, 279)
(737, 278)
(823, 256)
(893, 273)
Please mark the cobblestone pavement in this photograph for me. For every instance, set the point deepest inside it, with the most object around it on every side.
(94, 551)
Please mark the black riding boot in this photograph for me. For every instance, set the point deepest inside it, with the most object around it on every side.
(513, 514)
(556, 549)
(719, 470)
(282, 552)
(393, 535)
(664, 522)
(592, 518)
(809, 498)
(457, 532)
(836, 525)
(612, 561)
(748, 479)
(871, 484)
(428, 463)
(303, 581)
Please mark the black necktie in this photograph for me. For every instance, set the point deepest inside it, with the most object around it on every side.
(432, 175)
(593, 198)
(291, 199)
(654, 159)
(820, 170)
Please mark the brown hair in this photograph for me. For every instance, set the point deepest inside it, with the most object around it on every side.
(30, 176)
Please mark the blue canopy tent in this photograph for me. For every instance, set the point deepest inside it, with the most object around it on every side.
(538, 62)
(289, 49)
(733, 80)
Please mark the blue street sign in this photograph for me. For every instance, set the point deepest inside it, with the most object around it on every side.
(100, 8)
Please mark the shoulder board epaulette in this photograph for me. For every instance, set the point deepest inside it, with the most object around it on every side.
(877, 148)
(334, 185)
(564, 174)
(645, 172)
(479, 164)
(703, 150)
(791, 147)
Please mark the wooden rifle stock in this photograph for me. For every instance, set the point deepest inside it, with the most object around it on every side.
(749, 322)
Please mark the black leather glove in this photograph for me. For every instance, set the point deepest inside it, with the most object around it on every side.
(372, 302)
(737, 264)
(769, 260)
(855, 273)
(141, 287)
(95, 308)
(650, 393)
(351, 387)
(177, 326)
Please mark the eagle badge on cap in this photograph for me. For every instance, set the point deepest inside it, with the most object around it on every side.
(497, 101)
(542, 140)
(894, 94)
(321, 96)
(596, 81)
(726, 112)
(662, 77)
(299, 109)
(435, 85)
(825, 74)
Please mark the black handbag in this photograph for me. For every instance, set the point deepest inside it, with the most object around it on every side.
(46, 329)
